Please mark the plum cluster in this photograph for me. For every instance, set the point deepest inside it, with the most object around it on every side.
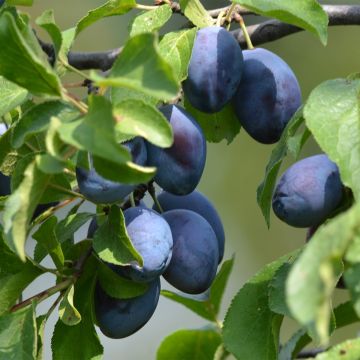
(184, 244)
(261, 86)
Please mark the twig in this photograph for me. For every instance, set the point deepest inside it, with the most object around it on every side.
(261, 33)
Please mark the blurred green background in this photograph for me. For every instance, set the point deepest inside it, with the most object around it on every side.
(232, 172)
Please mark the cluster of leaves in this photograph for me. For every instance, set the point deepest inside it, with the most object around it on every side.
(51, 131)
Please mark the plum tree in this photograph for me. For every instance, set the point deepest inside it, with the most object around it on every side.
(119, 318)
(151, 236)
(308, 192)
(179, 168)
(267, 97)
(215, 69)
(195, 254)
(100, 190)
(200, 204)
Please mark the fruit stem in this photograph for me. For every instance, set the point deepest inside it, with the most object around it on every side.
(240, 20)
(219, 21)
(145, 7)
(67, 191)
(78, 104)
(151, 190)
(132, 200)
(229, 14)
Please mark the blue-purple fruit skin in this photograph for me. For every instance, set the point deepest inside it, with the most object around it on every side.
(151, 236)
(308, 192)
(102, 191)
(200, 204)
(267, 97)
(179, 168)
(119, 318)
(215, 69)
(195, 256)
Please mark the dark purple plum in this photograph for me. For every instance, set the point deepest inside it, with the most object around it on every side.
(179, 168)
(215, 69)
(267, 97)
(5, 188)
(195, 254)
(119, 318)
(151, 236)
(200, 204)
(102, 191)
(308, 192)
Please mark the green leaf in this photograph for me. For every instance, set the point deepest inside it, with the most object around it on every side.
(46, 236)
(110, 8)
(20, 207)
(68, 313)
(223, 125)
(307, 14)
(40, 322)
(117, 286)
(189, 344)
(176, 48)
(353, 253)
(266, 188)
(277, 301)
(206, 305)
(11, 96)
(251, 329)
(352, 276)
(21, 50)
(79, 341)
(332, 114)
(47, 22)
(112, 243)
(196, 13)
(15, 276)
(18, 335)
(141, 67)
(49, 164)
(120, 94)
(150, 21)
(348, 350)
(313, 277)
(20, 2)
(137, 118)
(287, 350)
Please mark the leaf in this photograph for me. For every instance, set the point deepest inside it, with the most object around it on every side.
(21, 50)
(351, 277)
(45, 235)
(313, 277)
(287, 350)
(141, 67)
(189, 344)
(266, 188)
(277, 301)
(68, 313)
(332, 114)
(20, 206)
(117, 286)
(112, 243)
(137, 118)
(49, 164)
(15, 276)
(348, 350)
(110, 8)
(47, 21)
(206, 305)
(18, 335)
(80, 341)
(11, 96)
(150, 21)
(223, 125)
(40, 323)
(196, 13)
(20, 2)
(307, 14)
(251, 329)
(119, 94)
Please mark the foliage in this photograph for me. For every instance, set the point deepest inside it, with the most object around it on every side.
(50, 132)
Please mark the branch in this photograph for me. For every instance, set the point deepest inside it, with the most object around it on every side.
(272, 30)
(265, 32)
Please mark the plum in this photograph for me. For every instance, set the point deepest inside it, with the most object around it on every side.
(195, 254)
(308, 192)
(151, 236)
(179, 168)
(200, 204)
(102, 191)
(215, 69)
(119, 318)
(267, 97)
